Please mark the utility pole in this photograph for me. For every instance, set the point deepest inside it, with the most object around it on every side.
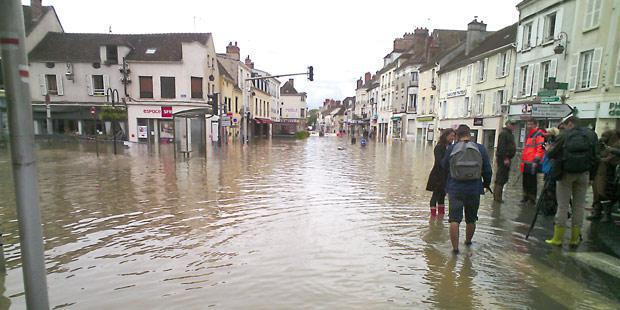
(16, 77)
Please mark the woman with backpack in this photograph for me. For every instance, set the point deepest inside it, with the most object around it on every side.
(437, 179)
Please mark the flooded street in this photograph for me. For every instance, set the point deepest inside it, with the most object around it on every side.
(281, 224)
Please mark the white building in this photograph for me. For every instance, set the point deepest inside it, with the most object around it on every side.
(293, 109)
(166, 74)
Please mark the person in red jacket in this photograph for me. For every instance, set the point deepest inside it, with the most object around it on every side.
(531, 160)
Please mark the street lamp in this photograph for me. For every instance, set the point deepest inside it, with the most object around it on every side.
(561, 48)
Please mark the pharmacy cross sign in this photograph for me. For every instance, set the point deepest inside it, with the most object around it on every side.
(552, 84)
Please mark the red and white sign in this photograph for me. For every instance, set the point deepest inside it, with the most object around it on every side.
(151, 111)
(166, 111)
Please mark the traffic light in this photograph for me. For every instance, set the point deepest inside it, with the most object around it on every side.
(213, 101)
(311, 73)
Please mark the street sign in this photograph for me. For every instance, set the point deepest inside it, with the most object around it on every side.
(552, 84)
(551, 110)
(547, 92)
(550, 99)
(225, 121)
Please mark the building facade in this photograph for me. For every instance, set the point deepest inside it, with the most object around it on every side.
(293, 110)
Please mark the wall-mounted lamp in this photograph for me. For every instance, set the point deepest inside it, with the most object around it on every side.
(562, 41)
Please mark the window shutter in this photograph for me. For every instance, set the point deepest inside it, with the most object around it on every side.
(43, 84)
(534, 35)
(618, 71)
(558, 24)
(587, 21)
(477, 71)
(89, 84)
(528, 82)
(536, 77)
(520, 38)
(59, 85)
(572, 71)
(499, 66)
(515, 82)
(482, 106)
(469, 70)
(507, 64)
(540, 37)
(106, 83)
(485, 69)
(596, 13)
(596, 67)
(553, 67)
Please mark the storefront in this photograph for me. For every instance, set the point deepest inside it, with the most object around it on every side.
(155, 123)
(397, 126)
(608, 116)
(425, 128)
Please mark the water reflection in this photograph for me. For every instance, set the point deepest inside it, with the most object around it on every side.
(279, 224)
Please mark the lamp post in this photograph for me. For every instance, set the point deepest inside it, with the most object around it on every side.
(111, 95)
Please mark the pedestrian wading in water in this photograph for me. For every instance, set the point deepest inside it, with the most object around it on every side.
(469, 173)
(438, 176)
(576, 156)
(506, 150)
(531, 161)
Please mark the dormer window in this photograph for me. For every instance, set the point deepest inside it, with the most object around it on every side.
(111, 53)
(150, 51)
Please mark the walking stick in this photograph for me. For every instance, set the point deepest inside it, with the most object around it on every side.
(538, 206)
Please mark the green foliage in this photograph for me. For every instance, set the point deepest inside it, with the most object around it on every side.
(312, 116)
(302, 135)
(113, 114)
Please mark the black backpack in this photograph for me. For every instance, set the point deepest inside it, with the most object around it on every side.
(578, 151)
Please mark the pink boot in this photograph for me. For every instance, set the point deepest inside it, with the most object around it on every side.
(433, 211)
(442, 209)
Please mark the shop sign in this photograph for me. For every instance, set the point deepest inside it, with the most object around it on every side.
(142, 132)
(166, 112)
(610, 109)
(456, 93)
(425, 119)
(151, 111)
(225, 121)
(478, 121)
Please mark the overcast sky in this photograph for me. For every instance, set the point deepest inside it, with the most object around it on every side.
(341, 39)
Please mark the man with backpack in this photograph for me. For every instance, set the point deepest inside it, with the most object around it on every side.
(576, 156)
(469, 173)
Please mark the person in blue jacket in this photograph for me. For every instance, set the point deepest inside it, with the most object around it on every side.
(464, 195)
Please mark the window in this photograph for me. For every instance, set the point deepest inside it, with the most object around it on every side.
(414, 77)
(111, 54)
(523, 81)
(444, 109)
(593, 14)
(167, 87)
(98, 85)
(499, 100)
(549, 29)
(585, 69)
(469, 69)
(255, 105)
(413, 98)
(482, 69)
(146, 87)
(302, 113)
(1, 76)
(503, 64)
(479, 104)
(466, 107)
(197, 88)
(458, 78)
(431, 106)
(545, 69)
(618, 71)
(236, 104)
(527, 35)
(52, 85)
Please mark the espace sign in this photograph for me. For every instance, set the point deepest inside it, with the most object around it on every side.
(165, 112)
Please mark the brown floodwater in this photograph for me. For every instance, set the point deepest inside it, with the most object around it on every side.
(280, 224)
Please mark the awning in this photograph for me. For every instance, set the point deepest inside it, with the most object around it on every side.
(262, 120)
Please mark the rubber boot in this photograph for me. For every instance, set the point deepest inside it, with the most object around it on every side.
(558, 235)
(433, 211)
(596, 212)
(575, 236)
(441, 209)
(497, 193)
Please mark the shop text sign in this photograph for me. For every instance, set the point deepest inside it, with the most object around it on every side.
(165, 112)
(456, 93)
(613, 110)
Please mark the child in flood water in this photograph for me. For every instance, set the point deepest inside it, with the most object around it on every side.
(437, 178)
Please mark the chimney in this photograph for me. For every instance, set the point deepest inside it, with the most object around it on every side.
(476, 32)
(249, 62)
(233, 51)
(367, 77)
(359, 83)
(292, 82)
(37, 9)
(420, 36)
(404, 43)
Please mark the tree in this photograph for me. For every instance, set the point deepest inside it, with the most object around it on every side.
(312, 116)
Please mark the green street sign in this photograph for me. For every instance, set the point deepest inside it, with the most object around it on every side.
(547, 92)
(550, 99)
(552, 84)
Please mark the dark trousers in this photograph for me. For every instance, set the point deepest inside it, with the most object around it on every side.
(438, 198)
(529, 186)
(501, 176)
